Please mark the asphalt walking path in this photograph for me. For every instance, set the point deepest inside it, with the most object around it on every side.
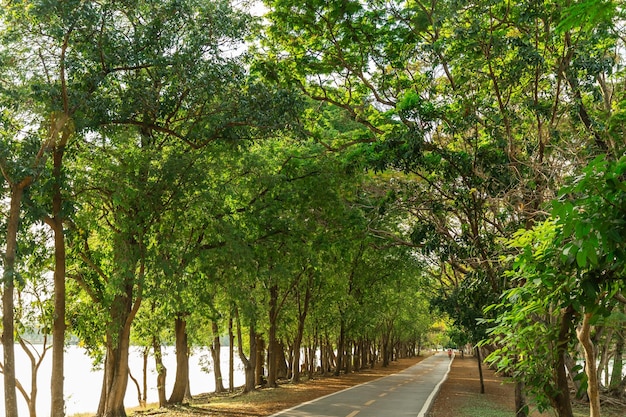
(407, 393)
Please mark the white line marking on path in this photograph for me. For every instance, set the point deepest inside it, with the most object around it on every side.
(352, 414)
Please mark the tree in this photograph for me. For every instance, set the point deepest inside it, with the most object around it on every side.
(570, 269)
(478, 106)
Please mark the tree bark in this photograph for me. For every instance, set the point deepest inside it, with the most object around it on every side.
(521, 409)
(584, 336)
(122, 313)
(258, 360)
(249, 365)
(272, 357)
(216, 349)
(161, 371)
(145, 355)
(58, 333)
(618, 363)
(297, 343)
(231, 355)
(8, 338)
(340, 346)
(604, 356)
(182, 360)
(57, 401)
(479, 359)
(561, 400)
(116, 362)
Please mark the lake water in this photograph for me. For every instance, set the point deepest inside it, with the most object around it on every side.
(83, 383)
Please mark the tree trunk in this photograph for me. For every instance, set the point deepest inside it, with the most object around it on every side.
(618, 364)
(297, 343)
(115, 378)
(8, 338)
(340, 346)
(259, 359)
(122, 313)
(161, 371)
(584, 336)
(249, 365)
(272, 345)
(521, 409)
(35, 364)
(57, 401)
(146, 353)
(561, 400)
(386, 347)
(604, 355)
(216, 349)
(231, 356)
(142, 404)
(356, 361)
(182, 360)
(311, 363)
(479, 359)
(282, 367)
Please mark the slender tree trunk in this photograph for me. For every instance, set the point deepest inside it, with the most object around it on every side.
(35, 364)
(161, 371)
(122, 313)
(561, 399)
(618, 363)
(138, 387)
(249, 365)
(311, 363)
(297, 343)
(259, 360)
(340, 346)
(348, 357)
(145, 355)
(386, 348)
(604, 355)
(216, 349)
(272, 345)
(58, 334)
(584, 336)
(521, 409)
(356, 362)
(182, 360)
(231, 356)
(282, 364)
(116, 370)
(8, 338)
(479, 359)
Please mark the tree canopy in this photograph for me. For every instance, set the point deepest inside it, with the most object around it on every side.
(324, 184)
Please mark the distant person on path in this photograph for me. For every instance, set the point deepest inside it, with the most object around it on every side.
(449, 353)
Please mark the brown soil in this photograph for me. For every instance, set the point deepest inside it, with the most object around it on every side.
(462, 388)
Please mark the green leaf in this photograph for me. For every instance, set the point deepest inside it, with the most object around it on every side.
(581, 259)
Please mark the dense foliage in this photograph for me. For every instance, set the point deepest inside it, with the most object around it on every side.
(322, 185)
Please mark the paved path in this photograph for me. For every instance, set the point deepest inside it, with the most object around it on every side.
(407, 393)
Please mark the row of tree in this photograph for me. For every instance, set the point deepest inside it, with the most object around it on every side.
(360, 161)
(502, 117)
(177, 194)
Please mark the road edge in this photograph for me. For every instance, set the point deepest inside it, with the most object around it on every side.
(429, 401)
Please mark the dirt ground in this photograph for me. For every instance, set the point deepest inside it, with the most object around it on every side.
(462, 389)
(459, 395)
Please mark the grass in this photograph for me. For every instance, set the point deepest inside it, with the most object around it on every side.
(483, 408)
